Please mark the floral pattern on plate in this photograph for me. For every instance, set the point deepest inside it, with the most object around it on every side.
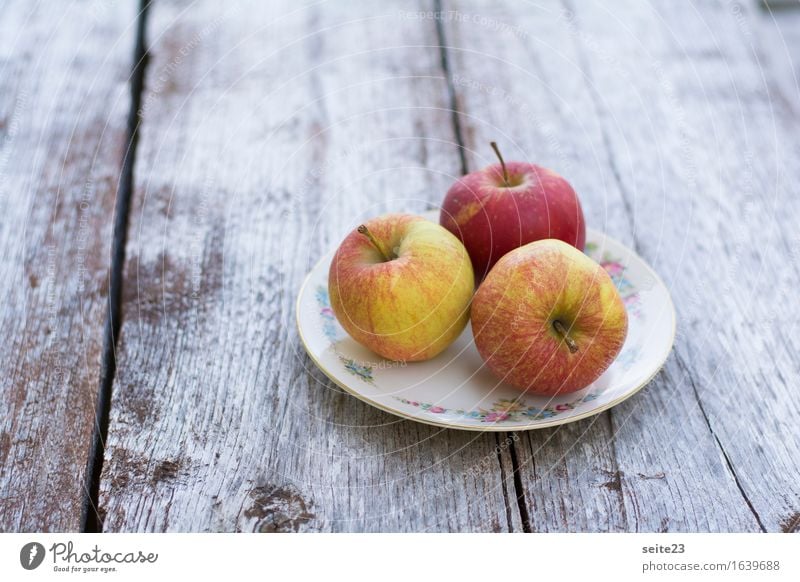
(504, 409)
(616, 269)
(329, 329)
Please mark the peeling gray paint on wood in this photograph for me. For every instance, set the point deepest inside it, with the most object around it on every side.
(63, 108)
(263, 141)
(654, 131)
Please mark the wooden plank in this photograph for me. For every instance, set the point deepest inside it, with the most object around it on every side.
(744, 277)
(63, 109)
(776, 40)
(712, 180)
(575, 89)
(267, 135)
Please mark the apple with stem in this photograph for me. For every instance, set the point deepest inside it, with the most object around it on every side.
(401, 285)
(548, 319)
(506, 205)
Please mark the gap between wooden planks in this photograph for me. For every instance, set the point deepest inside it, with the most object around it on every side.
(667, 127)
(63, 134)
(265, 136)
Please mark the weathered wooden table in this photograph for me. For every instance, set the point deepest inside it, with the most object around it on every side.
(168, 177)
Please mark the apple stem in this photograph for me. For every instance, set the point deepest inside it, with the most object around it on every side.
(562, 331)
(365, 231)
(502, 163)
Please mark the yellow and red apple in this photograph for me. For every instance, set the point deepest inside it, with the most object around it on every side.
(548, 319)
(401, 285)
(504, 206)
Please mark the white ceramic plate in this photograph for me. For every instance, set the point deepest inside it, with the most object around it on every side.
(455, 390)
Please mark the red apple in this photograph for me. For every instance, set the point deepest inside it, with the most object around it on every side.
(506, 205)
(401, 285)
(548, 319)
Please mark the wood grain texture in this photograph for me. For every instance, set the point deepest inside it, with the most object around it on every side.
(63, 109)
(776, 36)
(742, 340)
(672, 138)
(266, 136)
